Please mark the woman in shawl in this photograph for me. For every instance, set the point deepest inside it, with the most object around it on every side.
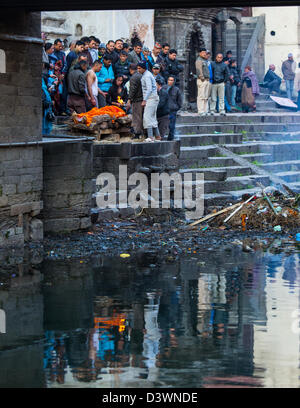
(117, 94)
(250, 89)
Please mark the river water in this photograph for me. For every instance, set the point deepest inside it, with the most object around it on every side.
(221, 317)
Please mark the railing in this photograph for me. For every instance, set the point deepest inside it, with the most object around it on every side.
(254, 39)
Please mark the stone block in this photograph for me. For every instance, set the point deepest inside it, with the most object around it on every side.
(25, 188)
(85, 223)
(36, 230)
(9, 189)
(20, 208)
(3, 201)
(62, 225)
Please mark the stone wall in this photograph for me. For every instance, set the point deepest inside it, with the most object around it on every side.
(67, 189)
(20, 195)
(20, 122)
(146, 158)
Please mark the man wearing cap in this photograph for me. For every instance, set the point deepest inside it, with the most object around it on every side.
(288, 69)
(101, 51)
(150, 102)
(135, 99)
(147, 57)
(156, 73)
(163, 108)
(203, 83)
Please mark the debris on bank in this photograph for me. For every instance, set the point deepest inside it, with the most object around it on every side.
(265, 212)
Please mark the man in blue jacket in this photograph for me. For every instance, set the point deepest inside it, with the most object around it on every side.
(105, 79)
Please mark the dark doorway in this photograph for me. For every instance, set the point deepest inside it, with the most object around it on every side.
(194, 46)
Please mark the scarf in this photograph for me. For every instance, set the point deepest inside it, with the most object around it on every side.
(254, 82)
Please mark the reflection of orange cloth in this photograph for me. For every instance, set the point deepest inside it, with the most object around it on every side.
(113, 111)
(118, 320)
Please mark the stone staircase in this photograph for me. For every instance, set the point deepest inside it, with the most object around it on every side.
(247, 28)
(257, 139)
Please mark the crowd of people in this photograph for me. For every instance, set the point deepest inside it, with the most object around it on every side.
(146, 83)
(220, 85)
(94, 74)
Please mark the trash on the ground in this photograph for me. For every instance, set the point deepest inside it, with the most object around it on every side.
(298, 236)
(124, 255)
(258, 213)
(214, 214)
(277, 228)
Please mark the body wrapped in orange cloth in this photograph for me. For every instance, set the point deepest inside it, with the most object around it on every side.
(113, 111)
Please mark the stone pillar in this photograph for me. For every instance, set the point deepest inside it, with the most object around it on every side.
(223, 36)
(238, 44)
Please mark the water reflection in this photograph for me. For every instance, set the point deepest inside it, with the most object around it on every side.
(220, 319)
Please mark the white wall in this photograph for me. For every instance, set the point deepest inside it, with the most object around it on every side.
(111, 25)
(284, 21)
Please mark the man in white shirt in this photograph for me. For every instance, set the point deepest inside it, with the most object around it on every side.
(150, 102)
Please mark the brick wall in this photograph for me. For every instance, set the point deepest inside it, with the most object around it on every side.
(67, 190)
(20, 195)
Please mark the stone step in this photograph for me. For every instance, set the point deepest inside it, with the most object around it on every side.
(295, 187)
(289, 176)
(250, 118)
(237, 194)
(209, 174)
(244, 148)
(197, 152)
(231, 171)
(274, 136)
(230, 184)
(208, 139)
(281, 151)
(204, 128)
(258, 157)
(273, 167)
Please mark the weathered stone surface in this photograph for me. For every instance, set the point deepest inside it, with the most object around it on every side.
(36, 230)
(62, 225)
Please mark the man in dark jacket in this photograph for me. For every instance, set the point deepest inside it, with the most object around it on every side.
(220, 76)
(77, 88)
(288, 69)
(134, 57)
(271, 80)
(156, 73)
(163, 109)
(122, 66)
(86, 52)
(110, 50)
(135, 100)
(175, 103)
(173, 67)
(235, 81)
